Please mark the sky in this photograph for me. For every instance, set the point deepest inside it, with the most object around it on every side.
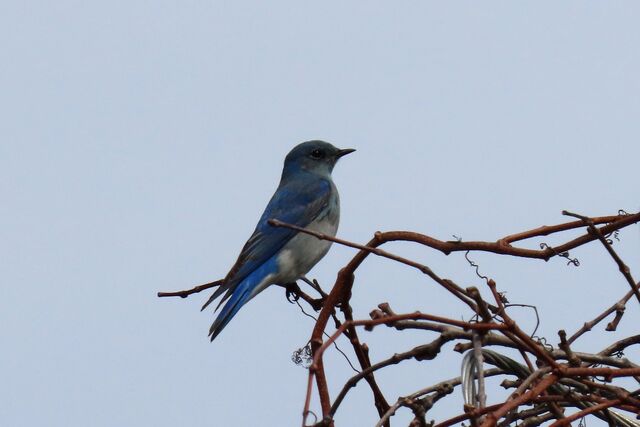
(140, 141)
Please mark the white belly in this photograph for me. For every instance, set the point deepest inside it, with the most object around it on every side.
(303, 251)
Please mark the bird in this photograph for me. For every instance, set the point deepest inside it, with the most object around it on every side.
(306, 197)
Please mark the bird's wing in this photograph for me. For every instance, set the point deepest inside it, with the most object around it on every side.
(296, 203)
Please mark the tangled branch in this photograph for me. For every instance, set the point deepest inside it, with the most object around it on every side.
(561, 379)
(557, 385)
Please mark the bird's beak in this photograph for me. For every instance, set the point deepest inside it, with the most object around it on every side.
(344, 152)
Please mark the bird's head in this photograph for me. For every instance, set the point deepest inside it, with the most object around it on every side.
(317, 157)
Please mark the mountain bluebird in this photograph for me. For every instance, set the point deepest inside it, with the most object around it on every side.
(306, 197)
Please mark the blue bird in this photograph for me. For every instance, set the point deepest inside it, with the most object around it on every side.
(306, 197)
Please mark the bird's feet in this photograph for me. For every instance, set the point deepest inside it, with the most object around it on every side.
(292, 291)
(294, 294)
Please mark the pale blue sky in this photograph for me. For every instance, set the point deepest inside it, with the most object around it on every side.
(140, 141)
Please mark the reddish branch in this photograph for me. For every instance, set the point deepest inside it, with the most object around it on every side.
(584, 412)
(362, 353)
(341, 293)
(494, 416)
(547, 382)
(501, 246)
(621, 265)
(317, 357)
(618, 307)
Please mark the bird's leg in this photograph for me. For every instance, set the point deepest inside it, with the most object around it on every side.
(294, 293)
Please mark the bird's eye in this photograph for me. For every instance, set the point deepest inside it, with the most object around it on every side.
(317, 154)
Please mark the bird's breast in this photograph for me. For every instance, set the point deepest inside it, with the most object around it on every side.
(303, 251)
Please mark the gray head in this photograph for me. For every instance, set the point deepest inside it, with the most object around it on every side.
(317, 157)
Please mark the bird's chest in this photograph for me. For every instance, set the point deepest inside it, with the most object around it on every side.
(303, 251)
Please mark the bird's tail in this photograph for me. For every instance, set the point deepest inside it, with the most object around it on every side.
(240, 296)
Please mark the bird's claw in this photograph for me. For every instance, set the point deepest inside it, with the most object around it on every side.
(291, 292)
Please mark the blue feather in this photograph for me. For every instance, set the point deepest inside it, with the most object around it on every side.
(245, 290)
(296, 202)
(305, 197)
